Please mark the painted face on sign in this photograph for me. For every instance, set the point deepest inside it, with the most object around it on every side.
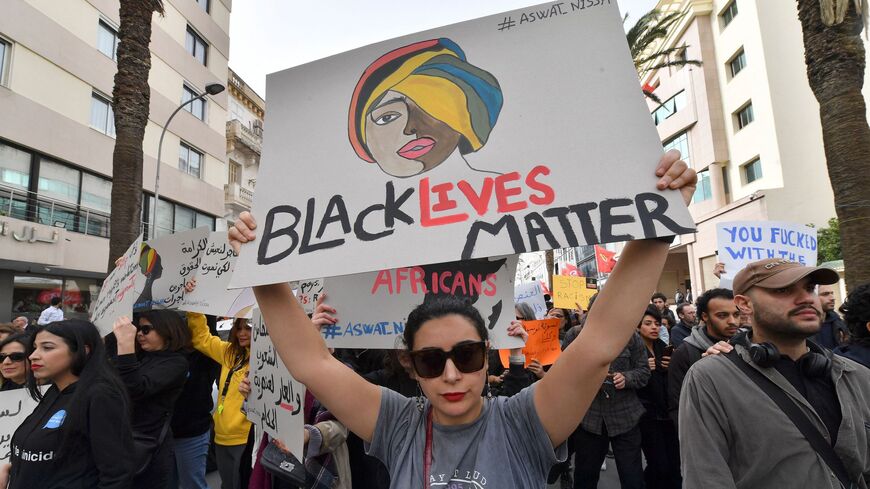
(404, 140)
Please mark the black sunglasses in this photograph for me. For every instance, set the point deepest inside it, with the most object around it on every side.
(468, 357)
(15, 357)
(145, 329)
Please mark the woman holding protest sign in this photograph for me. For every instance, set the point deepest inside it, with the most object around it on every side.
(231, 427)
(13, 361)
(456, 434)
(152, 364)
(79, 435)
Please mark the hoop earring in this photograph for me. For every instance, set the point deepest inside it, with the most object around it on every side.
(421, 400)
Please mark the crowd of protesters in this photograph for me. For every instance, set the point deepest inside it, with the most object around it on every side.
(782, 399)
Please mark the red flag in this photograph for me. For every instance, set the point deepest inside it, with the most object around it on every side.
(570, 270)
(544, 287)
(604, 259)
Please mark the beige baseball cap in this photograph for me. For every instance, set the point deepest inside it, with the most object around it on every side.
(775, 273)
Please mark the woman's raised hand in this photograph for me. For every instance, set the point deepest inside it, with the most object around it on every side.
(242, 231)
(675, 174)
(125, 333)
(324, 314)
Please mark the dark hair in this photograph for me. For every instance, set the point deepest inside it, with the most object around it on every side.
(236, 354)
(23, 338)
(659, 295)
(438, 307)
(525, 311)
(653, 311)
(856, 313)
(706, 297)
(171, 327)
(682, 306)
(55, 300)
(90, 364)
(592, 301)
(9, 328)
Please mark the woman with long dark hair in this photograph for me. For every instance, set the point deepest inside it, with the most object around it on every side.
(455, 435)
(13, 361)
(231, 427)
(79, 435)
(152, 364)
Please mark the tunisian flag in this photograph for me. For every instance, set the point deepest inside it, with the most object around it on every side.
(604, 259)
(570, 270)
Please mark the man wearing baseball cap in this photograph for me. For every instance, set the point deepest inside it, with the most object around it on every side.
(734, 434)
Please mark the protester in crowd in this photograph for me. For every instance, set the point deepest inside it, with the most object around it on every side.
(511, 442)
(658, 432)
(572, 333)
(613, 419)
(52, 313)
(857, 313)
(231, 427)
(731, 429)
(688, 320)
(20, 323)
(564, 317)
(152, 364)
(509, 381)
(834, 331)
(6, 330)
(661, 302)
(14, 350)
(719, 322)
(191, 420)
(79, 434)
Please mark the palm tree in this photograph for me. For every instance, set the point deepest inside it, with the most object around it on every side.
(131, 100)
(835, 58)
(646, 40)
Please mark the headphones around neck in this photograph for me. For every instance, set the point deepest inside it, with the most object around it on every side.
(815, 363)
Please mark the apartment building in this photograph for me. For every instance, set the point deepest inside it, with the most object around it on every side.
(746, 120)
(244, 146)
(57, 64)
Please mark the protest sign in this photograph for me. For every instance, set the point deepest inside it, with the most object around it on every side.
(166, 264)
(570, 292)
(486, 282)
(118, 294)
(457, 143)
(743, 242)
(543, 344)
(15, 406)
(211, 295)
(531, 294)
(277, 401)
(308, 292)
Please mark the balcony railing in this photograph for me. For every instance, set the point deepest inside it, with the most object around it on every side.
(31, 207)
(240, 132)
(236, 195)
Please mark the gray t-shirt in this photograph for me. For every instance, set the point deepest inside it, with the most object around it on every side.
(505, 448)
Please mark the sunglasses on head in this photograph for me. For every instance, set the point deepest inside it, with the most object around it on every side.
(468, 357)
(14, 357)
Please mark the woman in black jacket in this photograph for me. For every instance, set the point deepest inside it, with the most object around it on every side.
(152, 364)
(79, 435)
(659, 441)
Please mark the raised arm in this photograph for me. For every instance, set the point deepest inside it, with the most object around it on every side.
(205, 342)
(565, 393)
(354, 401)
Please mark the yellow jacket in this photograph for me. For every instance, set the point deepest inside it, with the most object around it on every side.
(230, 424)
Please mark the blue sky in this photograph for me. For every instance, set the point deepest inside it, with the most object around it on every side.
(271, 35)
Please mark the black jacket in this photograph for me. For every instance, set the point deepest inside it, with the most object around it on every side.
(192, 414)
(154, 381)
(833, 332)
(654, 395)
(684, 357)
(679, 333)
(98, 458)
(859, 352)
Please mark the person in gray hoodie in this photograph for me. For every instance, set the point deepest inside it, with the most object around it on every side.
(720, 320)
(733, 435)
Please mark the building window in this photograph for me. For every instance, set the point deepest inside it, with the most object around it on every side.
(196, 46)
(737, 63)
(107, 40)
(5, 54)
(703, 191)
(204, 5)
(190, 160)
(235, 173)
(680, 142)
(670, 107)
(14, 167)
(197, 108)
(174, 218)
(204, 220)
(102, 115)
(752, 170)
(744, 116)
(729, 13)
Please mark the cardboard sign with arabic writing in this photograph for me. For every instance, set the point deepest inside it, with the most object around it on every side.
(543, 344)
(118, 293)
(211, 295)
(166, 264)
(15, 406)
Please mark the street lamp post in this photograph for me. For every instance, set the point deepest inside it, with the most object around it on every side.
(210, 89)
